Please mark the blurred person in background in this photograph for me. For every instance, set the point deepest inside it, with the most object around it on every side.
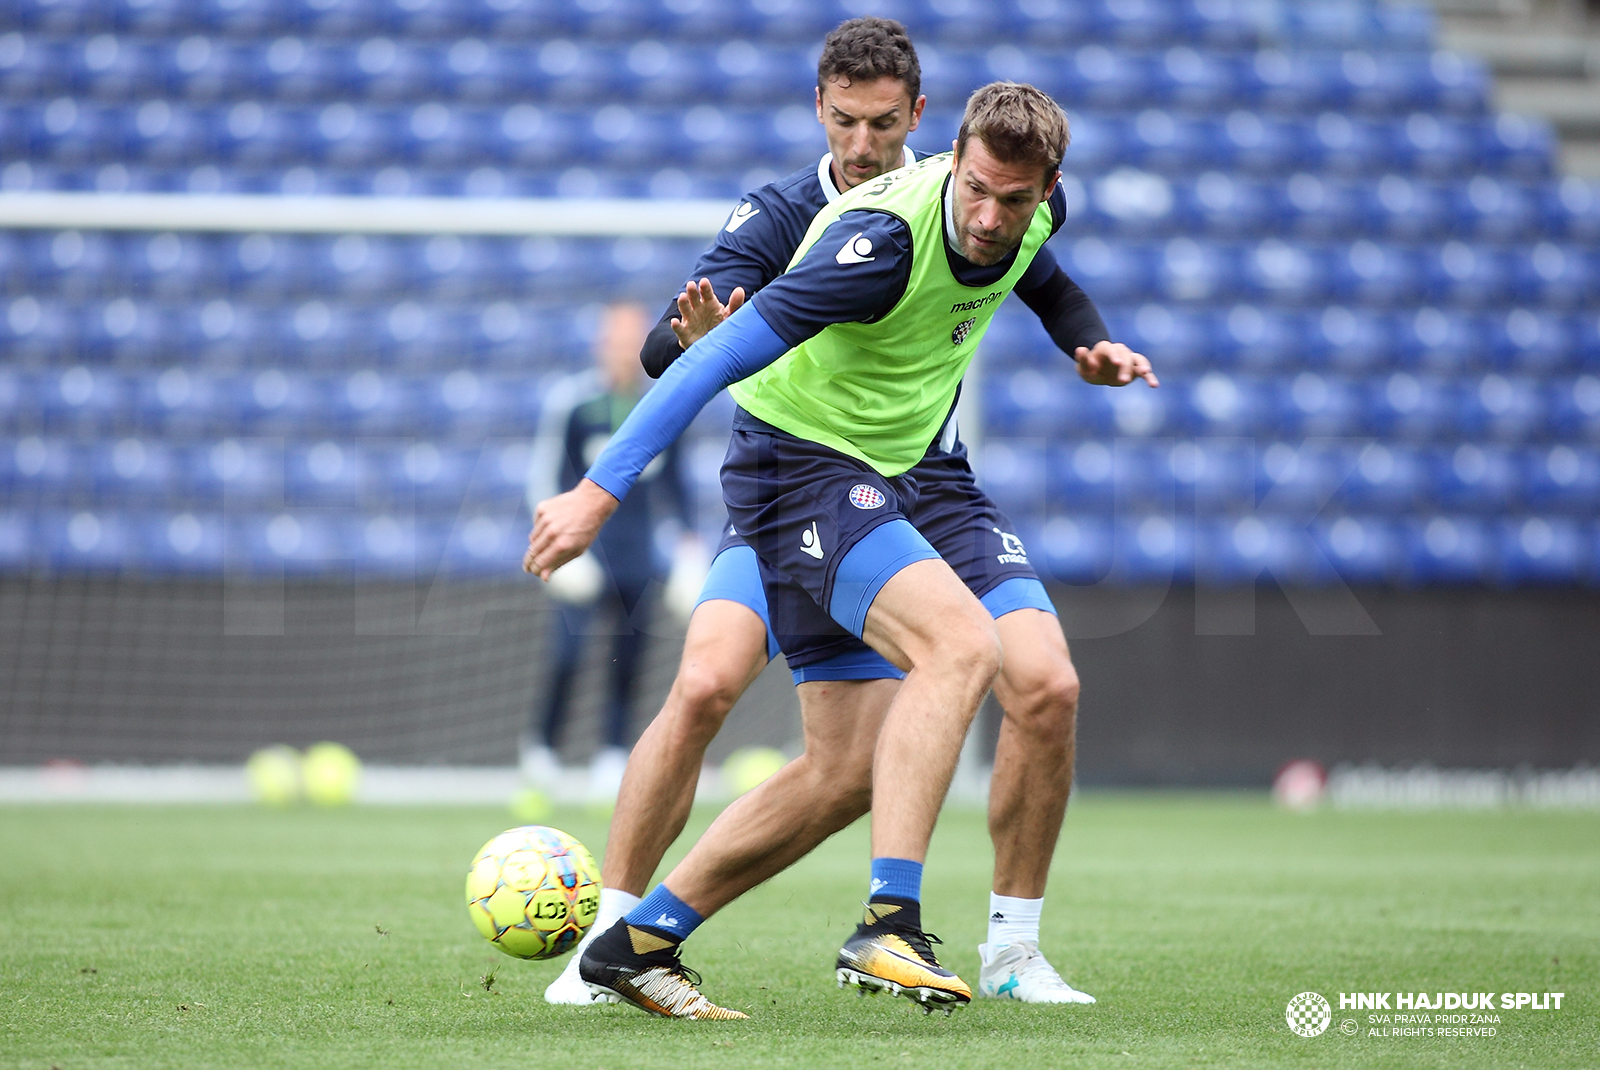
(615, 578)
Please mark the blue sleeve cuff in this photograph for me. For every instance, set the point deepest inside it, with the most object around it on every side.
(740, 346)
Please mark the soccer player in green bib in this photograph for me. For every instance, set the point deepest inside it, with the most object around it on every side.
(846, 368)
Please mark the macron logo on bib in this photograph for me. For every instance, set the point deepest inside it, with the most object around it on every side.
(858, 250)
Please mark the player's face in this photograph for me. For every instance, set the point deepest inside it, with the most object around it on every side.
(994, 202)
(617, 343)
(867, 124)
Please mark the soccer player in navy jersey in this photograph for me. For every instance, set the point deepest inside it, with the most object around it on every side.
(729, 639)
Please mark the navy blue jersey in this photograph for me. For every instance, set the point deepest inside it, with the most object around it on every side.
(756, 244)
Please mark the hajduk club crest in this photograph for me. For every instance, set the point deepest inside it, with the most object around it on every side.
(865, 496)
(963, 328)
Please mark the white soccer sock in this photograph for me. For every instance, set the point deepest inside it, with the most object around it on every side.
(614, 905)
(1013, 920)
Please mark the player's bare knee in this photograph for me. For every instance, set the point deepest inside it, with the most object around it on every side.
(708, 691)
(969, 649)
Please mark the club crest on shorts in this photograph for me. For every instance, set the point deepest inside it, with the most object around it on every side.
(866, 496)
(963, 328)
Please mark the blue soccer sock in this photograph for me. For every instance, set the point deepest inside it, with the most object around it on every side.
(896, 878)
(664, 914)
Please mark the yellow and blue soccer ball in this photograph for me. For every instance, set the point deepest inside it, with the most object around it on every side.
(533, 892)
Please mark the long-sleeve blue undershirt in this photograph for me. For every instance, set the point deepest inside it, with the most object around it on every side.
(741, 345)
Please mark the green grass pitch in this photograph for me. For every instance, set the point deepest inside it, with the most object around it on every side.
(234, 936)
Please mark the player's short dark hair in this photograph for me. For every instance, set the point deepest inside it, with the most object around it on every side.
(1017, 124)
(869, 48)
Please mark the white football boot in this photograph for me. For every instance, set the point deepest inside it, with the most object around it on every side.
(569, 990)
(1019, 971)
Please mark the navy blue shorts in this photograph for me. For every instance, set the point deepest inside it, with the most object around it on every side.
(829, 531)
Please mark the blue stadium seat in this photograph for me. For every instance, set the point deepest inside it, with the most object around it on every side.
(1575, 408)
(32, 67)
(1013, 471)
(1143, 474)
(1379, 274)
(297, 543)
(1220, 472)
(37, 469)
(1562, 477)
(1082, 476)
(367, 402)
(1155, 548)
(1221, 404)
(1407, 209)
(1406, 406)
(272, 401)
(86, 540)
(17, 540)
(1532, 342)
(1320, 206)
(1289, 273)
(1237, 550)
(1360, 549)
(181, 542)
(177, 401)
(1298, 478)
(1542, 550)
(1572, 209)
(1071, 548)
(1514, 145)
(1444, 339)
(236, 472)
(82, 398)
(1386, 477)
(326, 472)
(133, 470)
(1556, 276)
(111, 67)
(1187, 270)
(1508, 408)
(430, 475)
(1475, 478)
(481, 543)
(71, 261)
(1449, 550)
(1314, 405)
(1229, 206)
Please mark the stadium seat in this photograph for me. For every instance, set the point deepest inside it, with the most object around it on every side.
(1474, 478)
(1299, 477)
(1505, 408)
(1408, 407)
(1384, 477)
(1240, 549)
(1562, 477)
(1358, 549)
(133, 470)
(1448, 550)
(180, 542)
(37, 469)
(1541, 550)
(1575, 408)
(1156, 548)
(302, 542)
(86, 540)
(1220, 404)
(1069, 547)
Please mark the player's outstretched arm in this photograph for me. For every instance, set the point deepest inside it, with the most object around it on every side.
(1113, 364)
(699, 311)
(565, 526)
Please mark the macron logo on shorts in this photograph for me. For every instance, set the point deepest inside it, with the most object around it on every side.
(811, 542)
(858, 250)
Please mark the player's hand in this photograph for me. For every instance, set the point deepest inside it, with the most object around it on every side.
(564, 526)
(1113, 364)
(700, 311)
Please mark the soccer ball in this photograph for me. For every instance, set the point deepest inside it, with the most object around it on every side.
(533, 892)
